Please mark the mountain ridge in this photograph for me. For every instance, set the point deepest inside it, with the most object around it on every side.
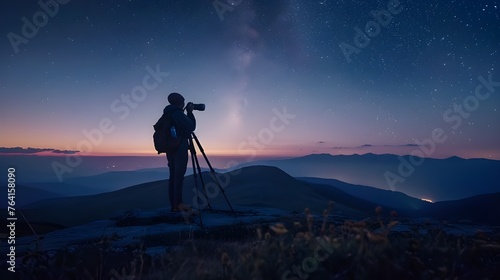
(435, 179)
(262, 186)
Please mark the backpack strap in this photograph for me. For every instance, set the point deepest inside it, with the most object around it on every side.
(163, 121)
(168, 117)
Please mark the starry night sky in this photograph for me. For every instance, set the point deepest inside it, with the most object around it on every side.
(272, 74)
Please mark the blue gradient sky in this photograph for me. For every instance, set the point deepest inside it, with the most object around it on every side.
(251, 65)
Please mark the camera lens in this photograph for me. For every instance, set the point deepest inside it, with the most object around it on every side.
(199, 107)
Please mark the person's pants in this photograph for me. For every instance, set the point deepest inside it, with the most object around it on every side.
(177, 164)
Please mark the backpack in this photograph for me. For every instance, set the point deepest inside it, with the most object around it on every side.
(163, 139)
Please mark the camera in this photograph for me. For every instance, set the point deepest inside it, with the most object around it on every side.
(197, 107)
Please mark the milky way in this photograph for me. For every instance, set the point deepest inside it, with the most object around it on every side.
(278, 77)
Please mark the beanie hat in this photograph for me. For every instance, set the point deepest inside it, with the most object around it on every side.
(175, 99)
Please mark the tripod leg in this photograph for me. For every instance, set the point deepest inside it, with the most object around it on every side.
(202, 181)
(193, 158)
(196, 163)
(212, 171)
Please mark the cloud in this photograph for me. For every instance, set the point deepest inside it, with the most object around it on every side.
(66, 152)
(19, 150)
(411, 145)
(31, 151)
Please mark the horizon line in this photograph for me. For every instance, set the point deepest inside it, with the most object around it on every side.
(225, 155)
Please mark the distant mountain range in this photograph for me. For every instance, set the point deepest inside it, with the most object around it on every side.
(392, 199)
(262, 186)
(88, 185)
(481, 208)
(105, 182)
(25, 195)
(32, 168)
(254, 186)
(436, 179)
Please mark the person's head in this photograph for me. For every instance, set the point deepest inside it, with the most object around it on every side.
(176, 99)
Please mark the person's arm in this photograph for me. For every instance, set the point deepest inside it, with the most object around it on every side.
(190, 117)
(185, 122)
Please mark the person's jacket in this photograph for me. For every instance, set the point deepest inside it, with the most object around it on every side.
(184, 124)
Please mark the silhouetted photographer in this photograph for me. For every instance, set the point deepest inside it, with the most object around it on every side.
(174, 136)
(182, 125)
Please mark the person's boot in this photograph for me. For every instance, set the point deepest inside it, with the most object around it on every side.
(187, 209)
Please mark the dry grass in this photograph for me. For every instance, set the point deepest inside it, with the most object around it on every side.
(305, 247)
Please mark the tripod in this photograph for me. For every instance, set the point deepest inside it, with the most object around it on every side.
(197, 172)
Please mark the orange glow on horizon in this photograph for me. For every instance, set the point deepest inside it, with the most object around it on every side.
(250, 154)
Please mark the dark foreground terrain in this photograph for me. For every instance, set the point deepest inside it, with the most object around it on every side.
(294, 246)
